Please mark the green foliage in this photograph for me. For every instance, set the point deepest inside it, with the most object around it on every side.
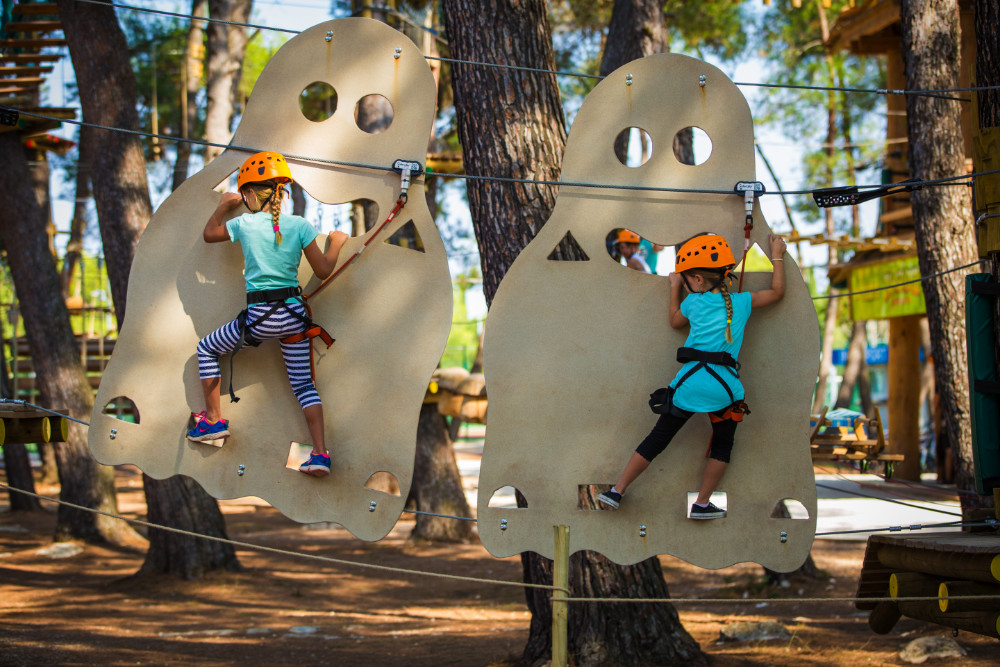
(157, 49)
(259, 51)
(463, 341)
(791, 42)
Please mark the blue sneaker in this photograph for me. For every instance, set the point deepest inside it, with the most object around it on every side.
(611, 498)
(317, 465)
(207, 431)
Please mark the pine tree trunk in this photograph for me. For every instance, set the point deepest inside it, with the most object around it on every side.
(226, 47)
(58, 372)
(437, 484)
(107, 85)
(856, 372)
(510, 124)
(179, 502)
(78, 225)
(941, 215)
(193, 58)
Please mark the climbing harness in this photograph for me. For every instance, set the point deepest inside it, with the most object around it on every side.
(268, 165)
(750, 189)
(661, 400)
(277, 298)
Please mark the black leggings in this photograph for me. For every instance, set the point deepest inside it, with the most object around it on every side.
(667, 426)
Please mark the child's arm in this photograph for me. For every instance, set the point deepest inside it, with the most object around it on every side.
(777, 292)
(215, 228)
(677, 320)
(323, 263)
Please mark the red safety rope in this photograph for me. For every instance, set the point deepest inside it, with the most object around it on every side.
(392, 214)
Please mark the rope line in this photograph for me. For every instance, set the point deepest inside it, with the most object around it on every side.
(962, 179)
(888, 500)
(889, 529)
(386, 568)
(939, 93)
(905, 282)
(284, 552)
(915, 598)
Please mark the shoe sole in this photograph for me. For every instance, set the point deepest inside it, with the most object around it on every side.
(316, 472)
(713, 515)
(216, 439)
(607, 501)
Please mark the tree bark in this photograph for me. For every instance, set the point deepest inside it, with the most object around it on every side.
(511, 125)
(78, 225)
(193, 69)
(437, 484)
(58, 372)
(179, 502)
(856, 373)
(226, 46)
(941, 215)
(107, 87)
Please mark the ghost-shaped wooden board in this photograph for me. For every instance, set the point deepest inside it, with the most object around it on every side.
(389, 310)
(574, 348)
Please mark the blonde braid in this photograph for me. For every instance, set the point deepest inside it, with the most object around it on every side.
(276, 212)
(729, 310)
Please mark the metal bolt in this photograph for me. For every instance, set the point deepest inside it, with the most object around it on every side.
(642, 530)
(329, 35)
(628, 79)
(702, 80)
(371, 506)
(503, 524)
(784, 537)
(114, 433)
(398, 53)
(241, 469)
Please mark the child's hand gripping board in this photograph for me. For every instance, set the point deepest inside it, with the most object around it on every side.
(574, 348)
(390, 310)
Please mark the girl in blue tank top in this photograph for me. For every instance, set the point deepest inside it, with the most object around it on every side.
(709, 380)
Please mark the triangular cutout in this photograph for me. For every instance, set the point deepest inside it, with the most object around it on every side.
(568, 250)
(757, 261)
(407, 237)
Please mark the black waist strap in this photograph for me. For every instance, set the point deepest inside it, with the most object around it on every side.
(686, 354)
(266, 295)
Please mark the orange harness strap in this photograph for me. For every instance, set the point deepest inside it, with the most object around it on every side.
(734, 413)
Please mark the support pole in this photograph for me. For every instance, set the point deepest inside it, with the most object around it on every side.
(560, 579)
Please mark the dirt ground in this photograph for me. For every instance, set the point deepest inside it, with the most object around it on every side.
(63, 608)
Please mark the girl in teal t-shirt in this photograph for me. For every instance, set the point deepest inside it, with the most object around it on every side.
(273, 245)
(709, 379)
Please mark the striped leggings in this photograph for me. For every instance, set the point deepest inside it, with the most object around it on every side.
(280, 324)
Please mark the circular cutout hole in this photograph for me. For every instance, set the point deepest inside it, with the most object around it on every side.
(692, 145)
(318, 101)
(373, 113)
(633, 147)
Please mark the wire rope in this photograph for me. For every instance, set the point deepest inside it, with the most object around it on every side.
(940, 93)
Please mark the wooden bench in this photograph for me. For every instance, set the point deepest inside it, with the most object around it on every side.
(852, 443)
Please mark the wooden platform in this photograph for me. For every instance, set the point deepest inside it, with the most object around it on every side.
(25, 424)
(964, 566)
(863, 441)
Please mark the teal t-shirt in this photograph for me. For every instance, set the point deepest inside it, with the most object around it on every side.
(266, 264)
(707, 314)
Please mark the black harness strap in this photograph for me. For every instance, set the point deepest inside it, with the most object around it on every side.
(276, 299)
(686, 354)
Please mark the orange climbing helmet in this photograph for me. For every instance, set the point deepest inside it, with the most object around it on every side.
(626, 236)
(705, 251)
(265, 166)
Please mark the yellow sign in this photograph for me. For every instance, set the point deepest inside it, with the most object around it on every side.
(884, 303)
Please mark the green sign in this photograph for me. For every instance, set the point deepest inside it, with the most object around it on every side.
(893, 302)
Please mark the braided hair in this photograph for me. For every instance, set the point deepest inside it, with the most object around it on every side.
(264, 193)
(719, 278)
